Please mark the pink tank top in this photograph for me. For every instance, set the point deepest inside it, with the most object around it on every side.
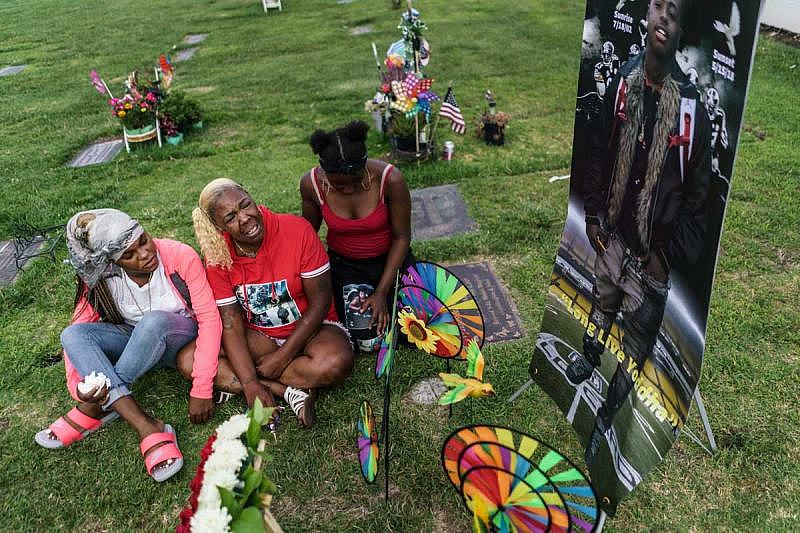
(360, 238)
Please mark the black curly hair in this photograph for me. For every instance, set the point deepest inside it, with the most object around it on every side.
(343, 150)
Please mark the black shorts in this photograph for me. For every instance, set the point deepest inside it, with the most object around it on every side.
(354, 280)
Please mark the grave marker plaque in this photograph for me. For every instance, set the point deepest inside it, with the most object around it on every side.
(439, 212)
(500, 316)
(195, 38)
(8, 259)
(8, 71)
(361, 30)
(97, 153)
(186, 54)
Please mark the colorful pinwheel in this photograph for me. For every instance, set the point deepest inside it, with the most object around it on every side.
(471, 386)
(444, 287)
(367, 443)
(514, 482)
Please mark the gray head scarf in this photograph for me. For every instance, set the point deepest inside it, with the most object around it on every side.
(97, 238)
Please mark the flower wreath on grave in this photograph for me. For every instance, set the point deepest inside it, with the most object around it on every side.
(230, 492)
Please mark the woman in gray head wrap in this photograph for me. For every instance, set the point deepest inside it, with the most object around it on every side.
(140, 304)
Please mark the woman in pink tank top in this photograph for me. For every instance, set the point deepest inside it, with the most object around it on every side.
(366, 206)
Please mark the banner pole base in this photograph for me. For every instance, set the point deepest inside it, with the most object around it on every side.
(706, 426)
(598, 528)
(704, 417)
(520, 390)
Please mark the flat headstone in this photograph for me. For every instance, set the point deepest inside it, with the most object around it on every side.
(185, 54)
(8, 262)
(361, 30)
(439, 212)
(97, 153)
(195, 38)
(500, 316)
(428, 391)
(8, 71)
(344, 2)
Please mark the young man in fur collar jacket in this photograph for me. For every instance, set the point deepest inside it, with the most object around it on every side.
(645, 191)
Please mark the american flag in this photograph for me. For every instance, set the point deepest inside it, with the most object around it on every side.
(450, 110)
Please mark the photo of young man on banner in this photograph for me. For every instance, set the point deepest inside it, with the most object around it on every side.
(661, 94)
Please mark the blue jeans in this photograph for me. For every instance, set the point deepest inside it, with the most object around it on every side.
(123, 352)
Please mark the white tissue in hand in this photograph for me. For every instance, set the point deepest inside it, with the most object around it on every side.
(95, 379)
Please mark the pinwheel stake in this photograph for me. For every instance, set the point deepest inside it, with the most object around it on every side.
(511, 481)
(368, 447)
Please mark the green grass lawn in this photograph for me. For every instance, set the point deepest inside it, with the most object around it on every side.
(266, 82)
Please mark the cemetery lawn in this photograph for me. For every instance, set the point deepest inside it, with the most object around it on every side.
(265, 83)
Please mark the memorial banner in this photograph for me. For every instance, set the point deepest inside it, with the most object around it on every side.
(661, 93)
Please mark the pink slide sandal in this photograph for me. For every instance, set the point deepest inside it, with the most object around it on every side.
(66, 434)
(168, 451)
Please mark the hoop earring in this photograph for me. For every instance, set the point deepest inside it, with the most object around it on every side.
(326, 185)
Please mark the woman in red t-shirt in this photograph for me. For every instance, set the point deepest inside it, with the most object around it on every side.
(270, 277)
(367, 207)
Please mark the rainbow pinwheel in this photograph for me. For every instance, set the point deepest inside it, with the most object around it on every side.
(470, 387)
(367, 443)
(514, 482)
(441, 286)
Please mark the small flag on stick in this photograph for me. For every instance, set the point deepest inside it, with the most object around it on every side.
(451, 111)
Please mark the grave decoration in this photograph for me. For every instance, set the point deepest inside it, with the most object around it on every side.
(492, 123)
(367, 440)
(404, 103)
(473, 385)
(230, 491)
(149, 108)
(136, 110)
(511, 481)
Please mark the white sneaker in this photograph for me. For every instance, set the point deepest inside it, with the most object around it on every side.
(302, 403)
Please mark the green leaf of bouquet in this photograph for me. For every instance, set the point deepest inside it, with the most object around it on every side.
(251, 482)
(253, 433)
(257, 413)
(229, 501)
(249, 521)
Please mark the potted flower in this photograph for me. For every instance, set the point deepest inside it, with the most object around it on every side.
(183, 111)
(174, 137)
(492, 124)
(136, 113)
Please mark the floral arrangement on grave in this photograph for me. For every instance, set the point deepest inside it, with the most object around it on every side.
(492, 124)
(229, 491)
(403, 103)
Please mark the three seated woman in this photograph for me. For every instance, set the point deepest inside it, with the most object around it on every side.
(259, 320)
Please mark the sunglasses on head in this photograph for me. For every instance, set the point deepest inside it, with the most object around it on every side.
(342, 165)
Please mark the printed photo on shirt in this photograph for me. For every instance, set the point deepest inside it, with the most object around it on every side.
(270, 304)
(354, 296)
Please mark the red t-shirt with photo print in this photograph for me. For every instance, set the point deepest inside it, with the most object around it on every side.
(269, 286)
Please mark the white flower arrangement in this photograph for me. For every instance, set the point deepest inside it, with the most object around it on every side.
(229, 490)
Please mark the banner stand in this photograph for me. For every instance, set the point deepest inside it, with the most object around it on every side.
(701, 408)
(520, 390)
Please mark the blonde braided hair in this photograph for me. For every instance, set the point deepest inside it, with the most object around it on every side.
(208, 234)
